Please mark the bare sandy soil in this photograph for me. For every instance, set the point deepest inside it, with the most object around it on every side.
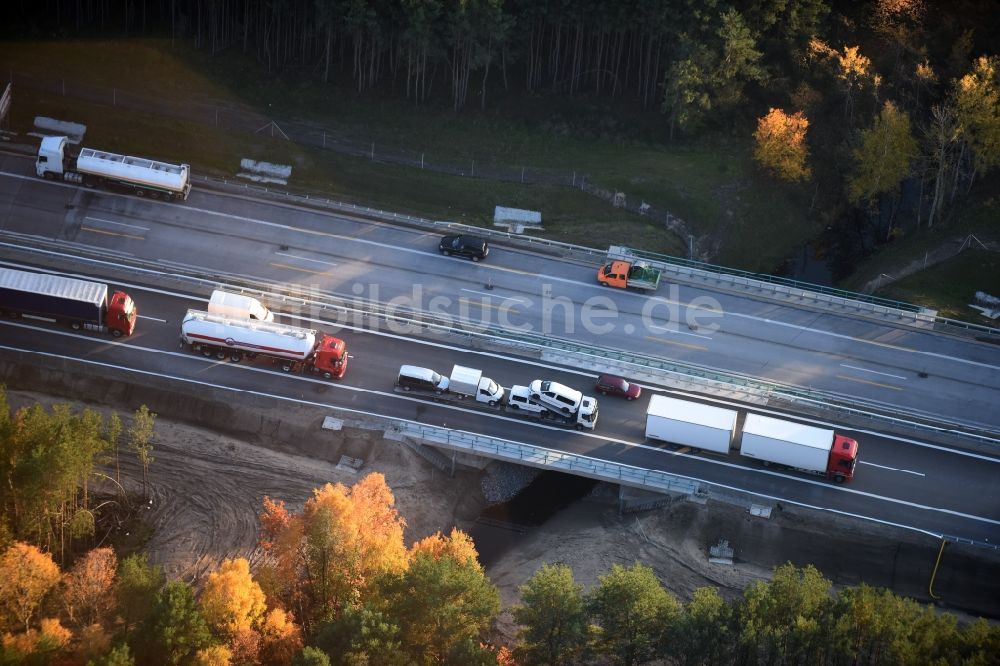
(207, 489)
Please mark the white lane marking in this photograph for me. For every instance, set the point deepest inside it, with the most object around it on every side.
(891, 469)
(179, 264)
(120, 224)
(162, 321)
(345, 387)
(575, 283)
(539, 364)
(301, 258)
(664, 329)
(874, 372)
(525, 301)
(92, 247)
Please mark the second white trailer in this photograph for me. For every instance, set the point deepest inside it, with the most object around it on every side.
(690, 423)
(786, 443)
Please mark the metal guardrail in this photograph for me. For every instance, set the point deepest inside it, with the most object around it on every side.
(859, 301)
(697, 376)
(773, 279)
(536, 456)
(877, 305)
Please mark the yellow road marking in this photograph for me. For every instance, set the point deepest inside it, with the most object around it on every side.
(296, 268)
(868, 381)
(679, 344)
(111, 233)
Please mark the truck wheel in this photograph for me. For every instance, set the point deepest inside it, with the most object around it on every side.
(206, 352)
(605, 393)
(603, 283)
(578, 426)
(565, 410)
(476, 259)
(286, 367)
(492, 403)
(446, 253)
(221, 354)
(406, 388)
(327, 375)
(75, 326)
(140, 193)
(48, 175)
(154, 195)
(235, 357)
(512, 406)
(116, 333)
(838, 478)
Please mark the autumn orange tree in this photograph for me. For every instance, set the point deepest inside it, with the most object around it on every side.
(234, 606)
(780, 144)
(88, 588)
(27, 575)
(327, 557)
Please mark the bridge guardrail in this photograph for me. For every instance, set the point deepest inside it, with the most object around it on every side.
(536, 456)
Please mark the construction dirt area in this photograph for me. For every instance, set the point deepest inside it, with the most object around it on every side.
(213, 464)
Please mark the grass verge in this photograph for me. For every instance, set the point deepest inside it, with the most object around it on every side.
(711, 186)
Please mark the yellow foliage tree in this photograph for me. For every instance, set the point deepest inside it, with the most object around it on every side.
(231, 600)
(977, 103)
(216, 655)
(26, 576)
(457, 545)
(885, 156)
(281, 638)
(780, 144)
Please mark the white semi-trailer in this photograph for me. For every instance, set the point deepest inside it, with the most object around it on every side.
(770, 440)
(92, 167)
(690, 423)
(799, 446)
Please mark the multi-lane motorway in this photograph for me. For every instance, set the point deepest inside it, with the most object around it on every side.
(904, 482)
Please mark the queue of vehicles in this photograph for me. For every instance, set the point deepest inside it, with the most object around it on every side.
(540, 400)
(238, 326)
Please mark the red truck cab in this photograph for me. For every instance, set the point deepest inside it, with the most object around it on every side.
(121, 314)
(330, 359)
(843, 458)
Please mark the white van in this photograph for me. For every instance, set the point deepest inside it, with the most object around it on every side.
(556, 396)
(238, 306)
(519, 398)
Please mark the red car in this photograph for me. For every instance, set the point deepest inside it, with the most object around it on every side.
(614, 385)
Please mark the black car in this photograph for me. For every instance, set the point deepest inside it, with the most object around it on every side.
(473, 247)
